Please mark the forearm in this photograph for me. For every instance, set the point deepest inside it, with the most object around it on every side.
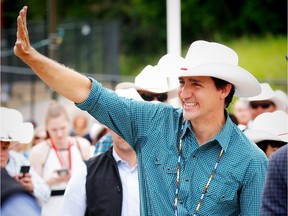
(62, 79)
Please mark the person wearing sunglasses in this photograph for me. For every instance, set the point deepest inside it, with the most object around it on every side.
(270, 131)
(150, 96)
(152, 90)
(191, 160)
(151, 85)
(266, 101)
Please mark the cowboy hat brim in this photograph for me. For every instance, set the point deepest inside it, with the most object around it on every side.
(259, 135)
(127, 85)
(246, 85)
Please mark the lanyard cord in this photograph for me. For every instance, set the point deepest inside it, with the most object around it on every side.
(58, 156)
(178, 176)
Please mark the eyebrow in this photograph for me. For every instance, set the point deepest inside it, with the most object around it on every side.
(191, 79)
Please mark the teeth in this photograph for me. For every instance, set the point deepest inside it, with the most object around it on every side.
(190, 104)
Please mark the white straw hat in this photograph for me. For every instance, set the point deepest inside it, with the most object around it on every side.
(269, 126)
(216, 60)
(278, 97)
(129, 93)
(13, 129)
(267, 93)
(149, 80)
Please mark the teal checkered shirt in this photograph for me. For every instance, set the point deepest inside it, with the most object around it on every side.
(153, 131)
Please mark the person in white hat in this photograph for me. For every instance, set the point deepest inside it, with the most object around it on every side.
(270, 131)
(14, 130)
(191, 160)
(281, 100)
(156, 89)
(266, 101)
(106, 184)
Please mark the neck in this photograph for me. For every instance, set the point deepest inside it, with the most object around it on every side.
(207, 129)
(127, 155)
(60, 145)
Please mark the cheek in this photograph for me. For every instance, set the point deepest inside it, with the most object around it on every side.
(179, 91)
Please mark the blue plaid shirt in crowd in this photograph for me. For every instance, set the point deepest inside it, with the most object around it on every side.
(153, 131)
(104, 144)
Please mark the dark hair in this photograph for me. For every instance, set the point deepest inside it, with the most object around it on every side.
(221, 84)
(263, 144)
(233, 118)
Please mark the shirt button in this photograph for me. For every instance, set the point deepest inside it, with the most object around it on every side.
(180, 202)
(186, 180)
(194, 155)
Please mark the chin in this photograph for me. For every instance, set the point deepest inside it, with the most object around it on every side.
(189, 116)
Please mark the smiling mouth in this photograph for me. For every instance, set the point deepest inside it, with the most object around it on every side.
(190, 104)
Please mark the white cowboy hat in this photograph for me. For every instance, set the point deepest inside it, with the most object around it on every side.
(96, 128)
(269, 126)
(158, 78)
(149, 80)
(129, 93)
(267, 93)
(169, 65)
(5, 137)
(278, 97)
(216, 60)
(13, 129)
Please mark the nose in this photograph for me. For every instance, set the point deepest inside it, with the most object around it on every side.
(184, 92)
(59, 133)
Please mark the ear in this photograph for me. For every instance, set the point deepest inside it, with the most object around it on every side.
(225, 91)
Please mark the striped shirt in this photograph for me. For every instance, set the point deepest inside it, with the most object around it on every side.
(153, 131)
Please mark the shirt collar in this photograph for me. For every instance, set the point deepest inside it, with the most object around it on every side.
(116, 156)
(223, 137)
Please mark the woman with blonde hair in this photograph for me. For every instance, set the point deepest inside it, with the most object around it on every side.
(58, 156)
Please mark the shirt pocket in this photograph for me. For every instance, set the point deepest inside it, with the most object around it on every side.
(167, 167)
(220, 197)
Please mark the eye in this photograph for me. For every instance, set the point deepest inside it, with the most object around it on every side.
(196, 84)
(181, 82)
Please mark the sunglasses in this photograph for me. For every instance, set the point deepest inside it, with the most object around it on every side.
(37, 137)
(150, 97)
(263, 105)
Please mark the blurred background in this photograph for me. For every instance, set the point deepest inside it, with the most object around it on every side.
(113, 40)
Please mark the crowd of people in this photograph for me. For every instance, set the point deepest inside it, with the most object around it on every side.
(153, 149)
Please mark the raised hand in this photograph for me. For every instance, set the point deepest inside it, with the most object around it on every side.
(22, 46)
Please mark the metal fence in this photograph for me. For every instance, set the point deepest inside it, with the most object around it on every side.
(91, 47)
(88, 46)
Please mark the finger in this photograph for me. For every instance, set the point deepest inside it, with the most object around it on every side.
(25, 8)
(24, 24)
(19, 27)
(23, 14)
(22, 32)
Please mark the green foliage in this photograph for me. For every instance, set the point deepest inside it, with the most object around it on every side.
(143, 23)
(242, 24)
(264, 57)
